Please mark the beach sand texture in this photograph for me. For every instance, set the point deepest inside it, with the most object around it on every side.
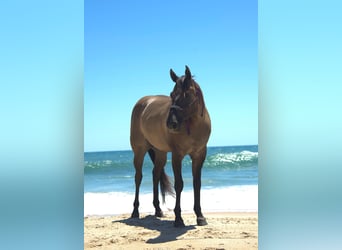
(224, 231)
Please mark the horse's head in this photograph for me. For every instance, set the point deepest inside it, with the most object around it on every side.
(186, 97)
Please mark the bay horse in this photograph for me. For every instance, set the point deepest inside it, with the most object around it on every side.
(180, 124)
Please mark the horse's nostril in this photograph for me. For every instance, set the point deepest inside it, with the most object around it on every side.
(174, 125)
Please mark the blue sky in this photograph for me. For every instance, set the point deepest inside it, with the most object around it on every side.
(131, 45)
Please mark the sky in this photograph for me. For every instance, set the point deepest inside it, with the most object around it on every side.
(130, 46)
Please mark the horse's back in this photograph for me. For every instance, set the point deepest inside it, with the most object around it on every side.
(150, 107)
(148, 121)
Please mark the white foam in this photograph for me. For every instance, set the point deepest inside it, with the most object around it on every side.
(228, 199)
(235, 157)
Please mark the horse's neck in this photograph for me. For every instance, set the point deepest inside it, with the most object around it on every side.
(196, 121)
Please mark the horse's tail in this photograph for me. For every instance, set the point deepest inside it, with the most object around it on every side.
(165, 185)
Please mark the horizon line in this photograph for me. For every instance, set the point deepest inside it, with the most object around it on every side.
(114, 150)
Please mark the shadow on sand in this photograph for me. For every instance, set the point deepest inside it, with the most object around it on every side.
(165, 226)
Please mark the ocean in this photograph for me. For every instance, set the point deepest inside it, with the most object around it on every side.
(229, 182)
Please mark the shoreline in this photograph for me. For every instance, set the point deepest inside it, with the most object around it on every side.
(169, 213)
(225, 230)
(238, 198)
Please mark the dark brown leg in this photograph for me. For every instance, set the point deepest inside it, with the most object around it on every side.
(197, 163)
(138, 162)
(156, 177)
(159, 160)
(177, 171)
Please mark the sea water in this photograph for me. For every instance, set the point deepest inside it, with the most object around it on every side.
(229, 182)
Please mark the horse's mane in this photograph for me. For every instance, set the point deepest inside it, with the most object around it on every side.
(200, 96)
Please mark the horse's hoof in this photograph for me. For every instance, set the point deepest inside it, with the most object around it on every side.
(159, 214)
(201, 221)
(179, 223)
(135, 214)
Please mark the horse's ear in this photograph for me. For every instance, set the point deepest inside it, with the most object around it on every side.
(187, 72)
(173, 75)
(187, 81)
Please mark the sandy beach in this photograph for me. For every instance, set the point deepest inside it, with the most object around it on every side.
(224, 231)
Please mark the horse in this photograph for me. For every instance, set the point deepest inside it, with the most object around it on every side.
(180, 124)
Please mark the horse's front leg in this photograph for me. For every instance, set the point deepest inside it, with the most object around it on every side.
(177, 171)
(197, 163)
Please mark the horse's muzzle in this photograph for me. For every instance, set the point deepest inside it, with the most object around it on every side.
(172, 122)
(173, 125)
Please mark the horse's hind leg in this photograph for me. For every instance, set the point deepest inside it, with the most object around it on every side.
(159, 159)
(138, 162)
